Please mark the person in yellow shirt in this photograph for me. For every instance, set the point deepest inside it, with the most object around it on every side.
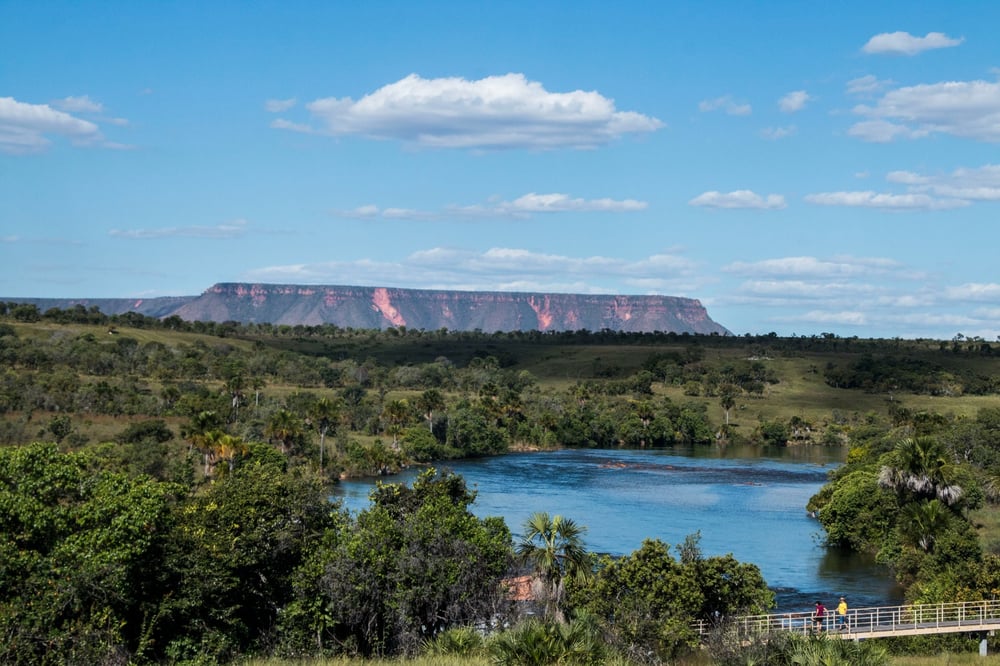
(842, 615)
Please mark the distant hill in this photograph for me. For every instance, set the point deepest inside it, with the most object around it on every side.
(381, 307)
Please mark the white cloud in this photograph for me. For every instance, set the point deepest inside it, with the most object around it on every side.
(727, 104)
(803, 289)
(979, 184)
(522, 207)
(79, 105)
(881, 131)
(279, 105)
(843, 318)
(281, 123)
(775, 133)
(867, 84)
(987, 313)
(810, 267)
(969, 109)
(905, 177)
(869, 199)
(496, 112)
(233, 229)
(903, 43)
(738, 199)
(975, 291)
(25, 128)
(496, 269)
(558, 203)
(794, 101)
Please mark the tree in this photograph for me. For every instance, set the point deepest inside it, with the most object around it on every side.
(727, 398)
(554, 548)
(227, 566)
(235, 386)
(648, 600)
(202, 432)
(285, 427)
(412, 565)
(396, 413)
(920, 466)
(324, 414)
(921, 522)
(60, 426)
(77, 545)
(429, 402)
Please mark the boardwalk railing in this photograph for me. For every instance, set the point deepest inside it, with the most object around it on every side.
(874, 622)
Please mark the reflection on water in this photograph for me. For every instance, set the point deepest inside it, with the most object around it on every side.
(743, 500)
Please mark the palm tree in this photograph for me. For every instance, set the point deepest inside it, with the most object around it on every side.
(235, 387)
(324, 414)
(429, 402)
(227, 447)
(201, 433)
(285, 427)
(922, 468)
(553, 547)
(922, 522)
(396, 413)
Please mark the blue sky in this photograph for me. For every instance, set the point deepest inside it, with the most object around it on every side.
(799, 167)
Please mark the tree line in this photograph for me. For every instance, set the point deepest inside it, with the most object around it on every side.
(101, 566)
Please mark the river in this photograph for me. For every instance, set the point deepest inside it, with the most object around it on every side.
(745, 501)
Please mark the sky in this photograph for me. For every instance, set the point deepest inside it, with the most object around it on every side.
(800, 168)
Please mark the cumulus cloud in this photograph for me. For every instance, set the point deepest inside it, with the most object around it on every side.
(495, 269)
(842, 318)
(79, 105)
(279, 105)
(975, 291)
(30, 128)
(775, 133)
(812, 267)
(969, 184)
(968, 109)
(867, 84)
(738, 199)
(234, 229)
(903, 43)
(26, 128)
(869, 199)
(522, 207)
(727, 104)
(794, 101)
(496, 112)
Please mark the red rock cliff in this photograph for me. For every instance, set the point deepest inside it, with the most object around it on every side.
(382, 307)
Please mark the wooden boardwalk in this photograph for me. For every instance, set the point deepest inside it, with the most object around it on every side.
(876, 622)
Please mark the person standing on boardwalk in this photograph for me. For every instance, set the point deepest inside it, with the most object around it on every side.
(818, 614)
(842, 615)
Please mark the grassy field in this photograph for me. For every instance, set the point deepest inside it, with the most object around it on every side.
(945, 659)
(557, 364)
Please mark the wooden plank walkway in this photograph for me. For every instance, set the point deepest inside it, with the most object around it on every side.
(876, 622)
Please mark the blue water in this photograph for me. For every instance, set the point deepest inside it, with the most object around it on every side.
(743, 502)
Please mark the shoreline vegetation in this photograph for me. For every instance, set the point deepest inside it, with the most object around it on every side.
(175, 512)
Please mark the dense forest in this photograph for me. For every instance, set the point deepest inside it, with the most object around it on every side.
(161, 482)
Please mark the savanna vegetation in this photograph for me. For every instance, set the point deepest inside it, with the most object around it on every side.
(162, 487)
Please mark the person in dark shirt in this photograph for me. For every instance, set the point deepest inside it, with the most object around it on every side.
(818, 615)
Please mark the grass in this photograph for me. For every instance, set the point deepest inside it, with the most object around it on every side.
(944, 659)
(418, 661)
(947, 659)
(987, 524)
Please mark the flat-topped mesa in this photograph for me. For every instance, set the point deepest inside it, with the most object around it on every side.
(430, 309)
